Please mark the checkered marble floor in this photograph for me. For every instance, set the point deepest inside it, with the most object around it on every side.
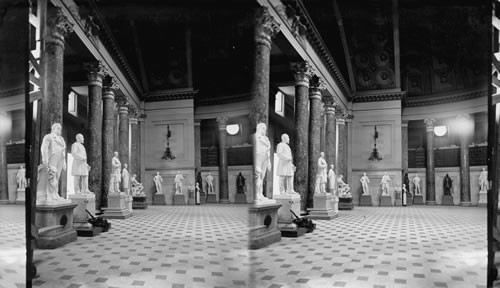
(418, 246)
(12, 246)
(162, 246)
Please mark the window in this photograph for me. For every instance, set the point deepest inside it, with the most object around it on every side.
(73, 103)
(279, 104)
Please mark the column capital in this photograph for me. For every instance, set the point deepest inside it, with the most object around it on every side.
(58, 27)
(110, 85)
(341, 117)
(330, 105)
(266, 27)
(95, 72)
(429, 124)
(222, 121)
(349, 118)
(303, 72)
(404, 124)
(197, 123)
(317, 84)
(123, 103)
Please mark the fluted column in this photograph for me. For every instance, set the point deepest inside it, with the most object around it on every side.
(429, 171)
(134, 144)
(107, 135)
(331, 131)
(265, 28)
(303, 73)
(466, 125)
(123, 129)
(96, 73)
(404, 137)
(223, 182)
(58, 27)
(342, 146)
(316, 85)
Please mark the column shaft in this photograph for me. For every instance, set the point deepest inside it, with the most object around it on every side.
(4, 185)
(342, 149)
(123, 134)
(331, 136)
(197, 149)
(429, 172)
(223, 171)
(404, 137)
(467, 129)
(314, 141)
(134, 147)
(107, 140)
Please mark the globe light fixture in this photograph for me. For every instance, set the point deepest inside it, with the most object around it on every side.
(440, 130)
(233, 129)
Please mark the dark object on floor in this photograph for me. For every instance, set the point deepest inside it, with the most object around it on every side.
(98, 222)
(303, 222)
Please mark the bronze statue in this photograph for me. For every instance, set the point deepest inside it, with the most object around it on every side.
(447, 184)
(240, 184)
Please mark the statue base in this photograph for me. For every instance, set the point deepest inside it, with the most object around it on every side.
(240, 199)
(409, 200)
(139, 203)
(418, 200)
(335, 204)
(398, 202)
(117, 206)
(129, 201)
(159, 199)
(211, 198)
(322, 208)
(483, 199)
(203, 198)
(179, 199)
(447, 200)
(285, 225)
(21, 196)
(385, 201)
(365, 200)
(345, 203)
(263, 225)
(84, 201)
(55, 225)
(191, 200)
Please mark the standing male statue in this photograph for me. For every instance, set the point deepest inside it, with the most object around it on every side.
(364, 184)
(332, 180)
(416, 185)
(210, 183)
(240, 184)
(321, 175)
(178, 182)
(285, 167)
(80, 168)
(125, 179)
(385, 184)
(262, 160)
(483, 181)
(114, 182)
(21, 178)
(447, 184)
(157, 179)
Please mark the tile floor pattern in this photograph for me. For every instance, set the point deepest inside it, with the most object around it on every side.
(375, 247)
(162, 246)
(12, 246)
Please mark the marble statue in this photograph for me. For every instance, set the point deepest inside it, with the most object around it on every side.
(199, 180)
(210, 183)
(483, 181)
(404, 196)
(285, 168)
(262, 161)
(332, 180)
(53, 152)
(321, 175)
(447, 184)
(364, 184)
(125, 179)
(343, 188)
(157, 179)
(416, 185)
(240, 184)
(21, 178)
(385, 184)
(406, 180)
(178, 181)
(197, 194)
(137, 188)
(114, 182)
(80, 168)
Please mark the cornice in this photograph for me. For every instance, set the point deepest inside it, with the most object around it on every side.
(169, 95)
(384, 96)
(225, 99)
(12, 92)
(443, 99)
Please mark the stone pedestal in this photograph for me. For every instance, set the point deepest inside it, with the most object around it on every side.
(409, 200)
(21, 196)
(240, 198)
(179, 199)
(117, 206)
(365, 200)
(345, 203)
(418, 200)
(203, 198)
(398, 202)
(335, 204)
(139, 203)
(263, 225)
(285, 225)
(55, 225)
(159, 199)
(447, 200)
(385, 201)
(483, 199)
(211, 198)
(80, 216)
(191, 200)
(322, 208)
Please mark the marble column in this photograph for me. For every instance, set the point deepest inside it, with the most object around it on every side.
(107, 135)
(141, 135)
(96, 73)
(4, 185)
(303, 73)
(265, 28)
(315, 104)
(197, 148)
(465, 132)
(429, 171)
(123, 129)
(341, 167)
(348, 148)
(404, 140)
(223, 174)
(58, 27)
(331, 130)
(134, 145)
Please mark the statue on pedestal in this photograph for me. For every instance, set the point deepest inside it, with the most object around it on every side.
(125, 179)
(332, 180)
(199, 180)
(158, 180)
(385, 184)
(262, 161)
(240, 184)
(210, 183)
(320, 186)
(343, 188)
(285, 168)
(178, 182)
(447, 184)
(364, 184)
(416, 185)
(114, 182)
(137, 188)
(483, 181)
(53, 152)
(21, 179)
(406, 180)
(80, 168)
